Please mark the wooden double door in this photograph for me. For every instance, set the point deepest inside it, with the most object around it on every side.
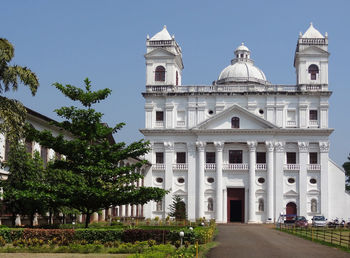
(235, 205)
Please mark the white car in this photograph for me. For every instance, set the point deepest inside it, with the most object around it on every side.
(319, 221)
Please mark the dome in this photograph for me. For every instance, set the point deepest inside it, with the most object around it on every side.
(242, 69)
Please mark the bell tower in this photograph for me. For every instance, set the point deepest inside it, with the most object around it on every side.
(163, 60)
(311, 58)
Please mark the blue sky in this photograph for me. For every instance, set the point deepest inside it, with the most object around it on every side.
(67, 41)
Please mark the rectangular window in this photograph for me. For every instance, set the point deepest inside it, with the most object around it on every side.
(313, 158)
(180, 157)
(235, 156)
(43, 154)
(7, 149)
(261, 157)
(313, 115)
(210, 157)
(291, 157)
(29, 147)
(159, 116)
(159, 157)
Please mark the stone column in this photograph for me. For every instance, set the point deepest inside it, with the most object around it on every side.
(280, 157)
(169, 160)
(218, 158)
(303, 160)
(18, 220)
(252, 163)
(80, 218)
(200, 178)
(35, 220)
(123, 211)
(225, 205)
(103, 215)
(94, 217)
(324, 149)
(270, 183)
(191, 181)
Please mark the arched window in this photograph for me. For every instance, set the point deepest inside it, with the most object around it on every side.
(235, 122)
(210, 204)
(313, 70)
(159, 206)
(313, 205)
(261, 204)
(159, 74)
(177, 78)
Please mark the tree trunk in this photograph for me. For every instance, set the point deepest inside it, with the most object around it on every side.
(87, 219)
(50, 218)
(13, 219)
(31, 219)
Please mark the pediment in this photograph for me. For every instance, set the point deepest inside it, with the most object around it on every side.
(247, 120)
(291, 193)
(313, 192)
(313, 50)
(159, 52)
(180, 192)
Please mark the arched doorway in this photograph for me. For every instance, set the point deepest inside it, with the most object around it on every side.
(291, 209)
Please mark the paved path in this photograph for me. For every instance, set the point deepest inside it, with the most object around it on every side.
(255, 241)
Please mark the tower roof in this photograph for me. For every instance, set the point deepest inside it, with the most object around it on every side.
(311, 32)
(162, 35)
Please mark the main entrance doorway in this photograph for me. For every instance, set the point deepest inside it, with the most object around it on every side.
(235, 205)
(291, 209)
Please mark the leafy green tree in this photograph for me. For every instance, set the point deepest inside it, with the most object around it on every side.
(12, 112)
(178, 208)
(21, 194)
(346, 167)
(90, 176)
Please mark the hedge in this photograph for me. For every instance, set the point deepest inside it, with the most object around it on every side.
(200, 234)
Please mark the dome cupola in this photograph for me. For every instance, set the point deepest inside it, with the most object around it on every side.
(242, 69)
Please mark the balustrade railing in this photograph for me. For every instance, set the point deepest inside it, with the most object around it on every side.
(236, 166)
(291, 167)
(158, 166)
(210, 166)
(314, 167)
(313, 122)
(260, 166)
(159, 124)
(180, 166)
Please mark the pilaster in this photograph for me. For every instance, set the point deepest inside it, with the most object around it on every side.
(169, 155)
(270, 182)
(279, 163)
(303, 160)
(200, 178)
(191, 181)
(219, 195)
(324, 149)
(252, 162)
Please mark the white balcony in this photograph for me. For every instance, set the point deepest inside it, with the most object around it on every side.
(180, 123)
(291, 123)
(316, 167)
(159, 123)
(236, 166)
(158, 166)
(313, 123)
(180, 166)
(210, 166)
(294, 167)
(260, 166)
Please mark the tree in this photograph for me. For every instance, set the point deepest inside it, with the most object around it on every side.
(12, 112)
(90, 177)
(346, 167)
(21, 194)
(178, 208)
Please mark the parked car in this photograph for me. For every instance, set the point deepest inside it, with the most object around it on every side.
(301, 221)
(319, 221)
(289, 219)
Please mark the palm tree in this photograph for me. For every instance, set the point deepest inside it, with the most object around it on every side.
(12, 112)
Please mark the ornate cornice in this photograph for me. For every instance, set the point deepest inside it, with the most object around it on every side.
(279, 146)
(324, 146)
(303, 146)
(219, 146)
(252, 145)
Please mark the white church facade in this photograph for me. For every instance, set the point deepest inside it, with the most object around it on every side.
(242, 149)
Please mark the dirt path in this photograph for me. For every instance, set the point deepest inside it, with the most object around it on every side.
(59, 255)
(255, 241)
